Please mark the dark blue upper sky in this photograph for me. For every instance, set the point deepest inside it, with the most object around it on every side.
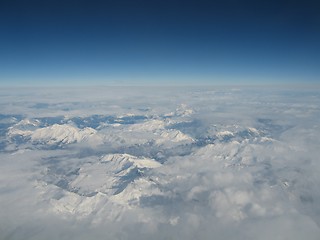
(159, 42)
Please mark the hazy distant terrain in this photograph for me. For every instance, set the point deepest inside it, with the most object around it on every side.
(159, 163)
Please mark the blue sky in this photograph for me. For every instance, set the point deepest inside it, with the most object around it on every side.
(159, 42)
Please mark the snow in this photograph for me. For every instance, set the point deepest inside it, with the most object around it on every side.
(56, 133)
(23, 128)
(123, 159)
(62, 133)
(224, 133)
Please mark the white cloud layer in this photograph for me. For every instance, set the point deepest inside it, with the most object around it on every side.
(142, 163)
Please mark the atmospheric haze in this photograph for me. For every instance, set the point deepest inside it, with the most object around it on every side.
(159, 163)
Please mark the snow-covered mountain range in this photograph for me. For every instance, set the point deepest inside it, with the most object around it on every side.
(193, 166)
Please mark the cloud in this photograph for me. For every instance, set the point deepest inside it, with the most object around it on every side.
(159, 163)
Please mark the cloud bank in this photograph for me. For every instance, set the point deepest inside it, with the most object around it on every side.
(165, 163)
